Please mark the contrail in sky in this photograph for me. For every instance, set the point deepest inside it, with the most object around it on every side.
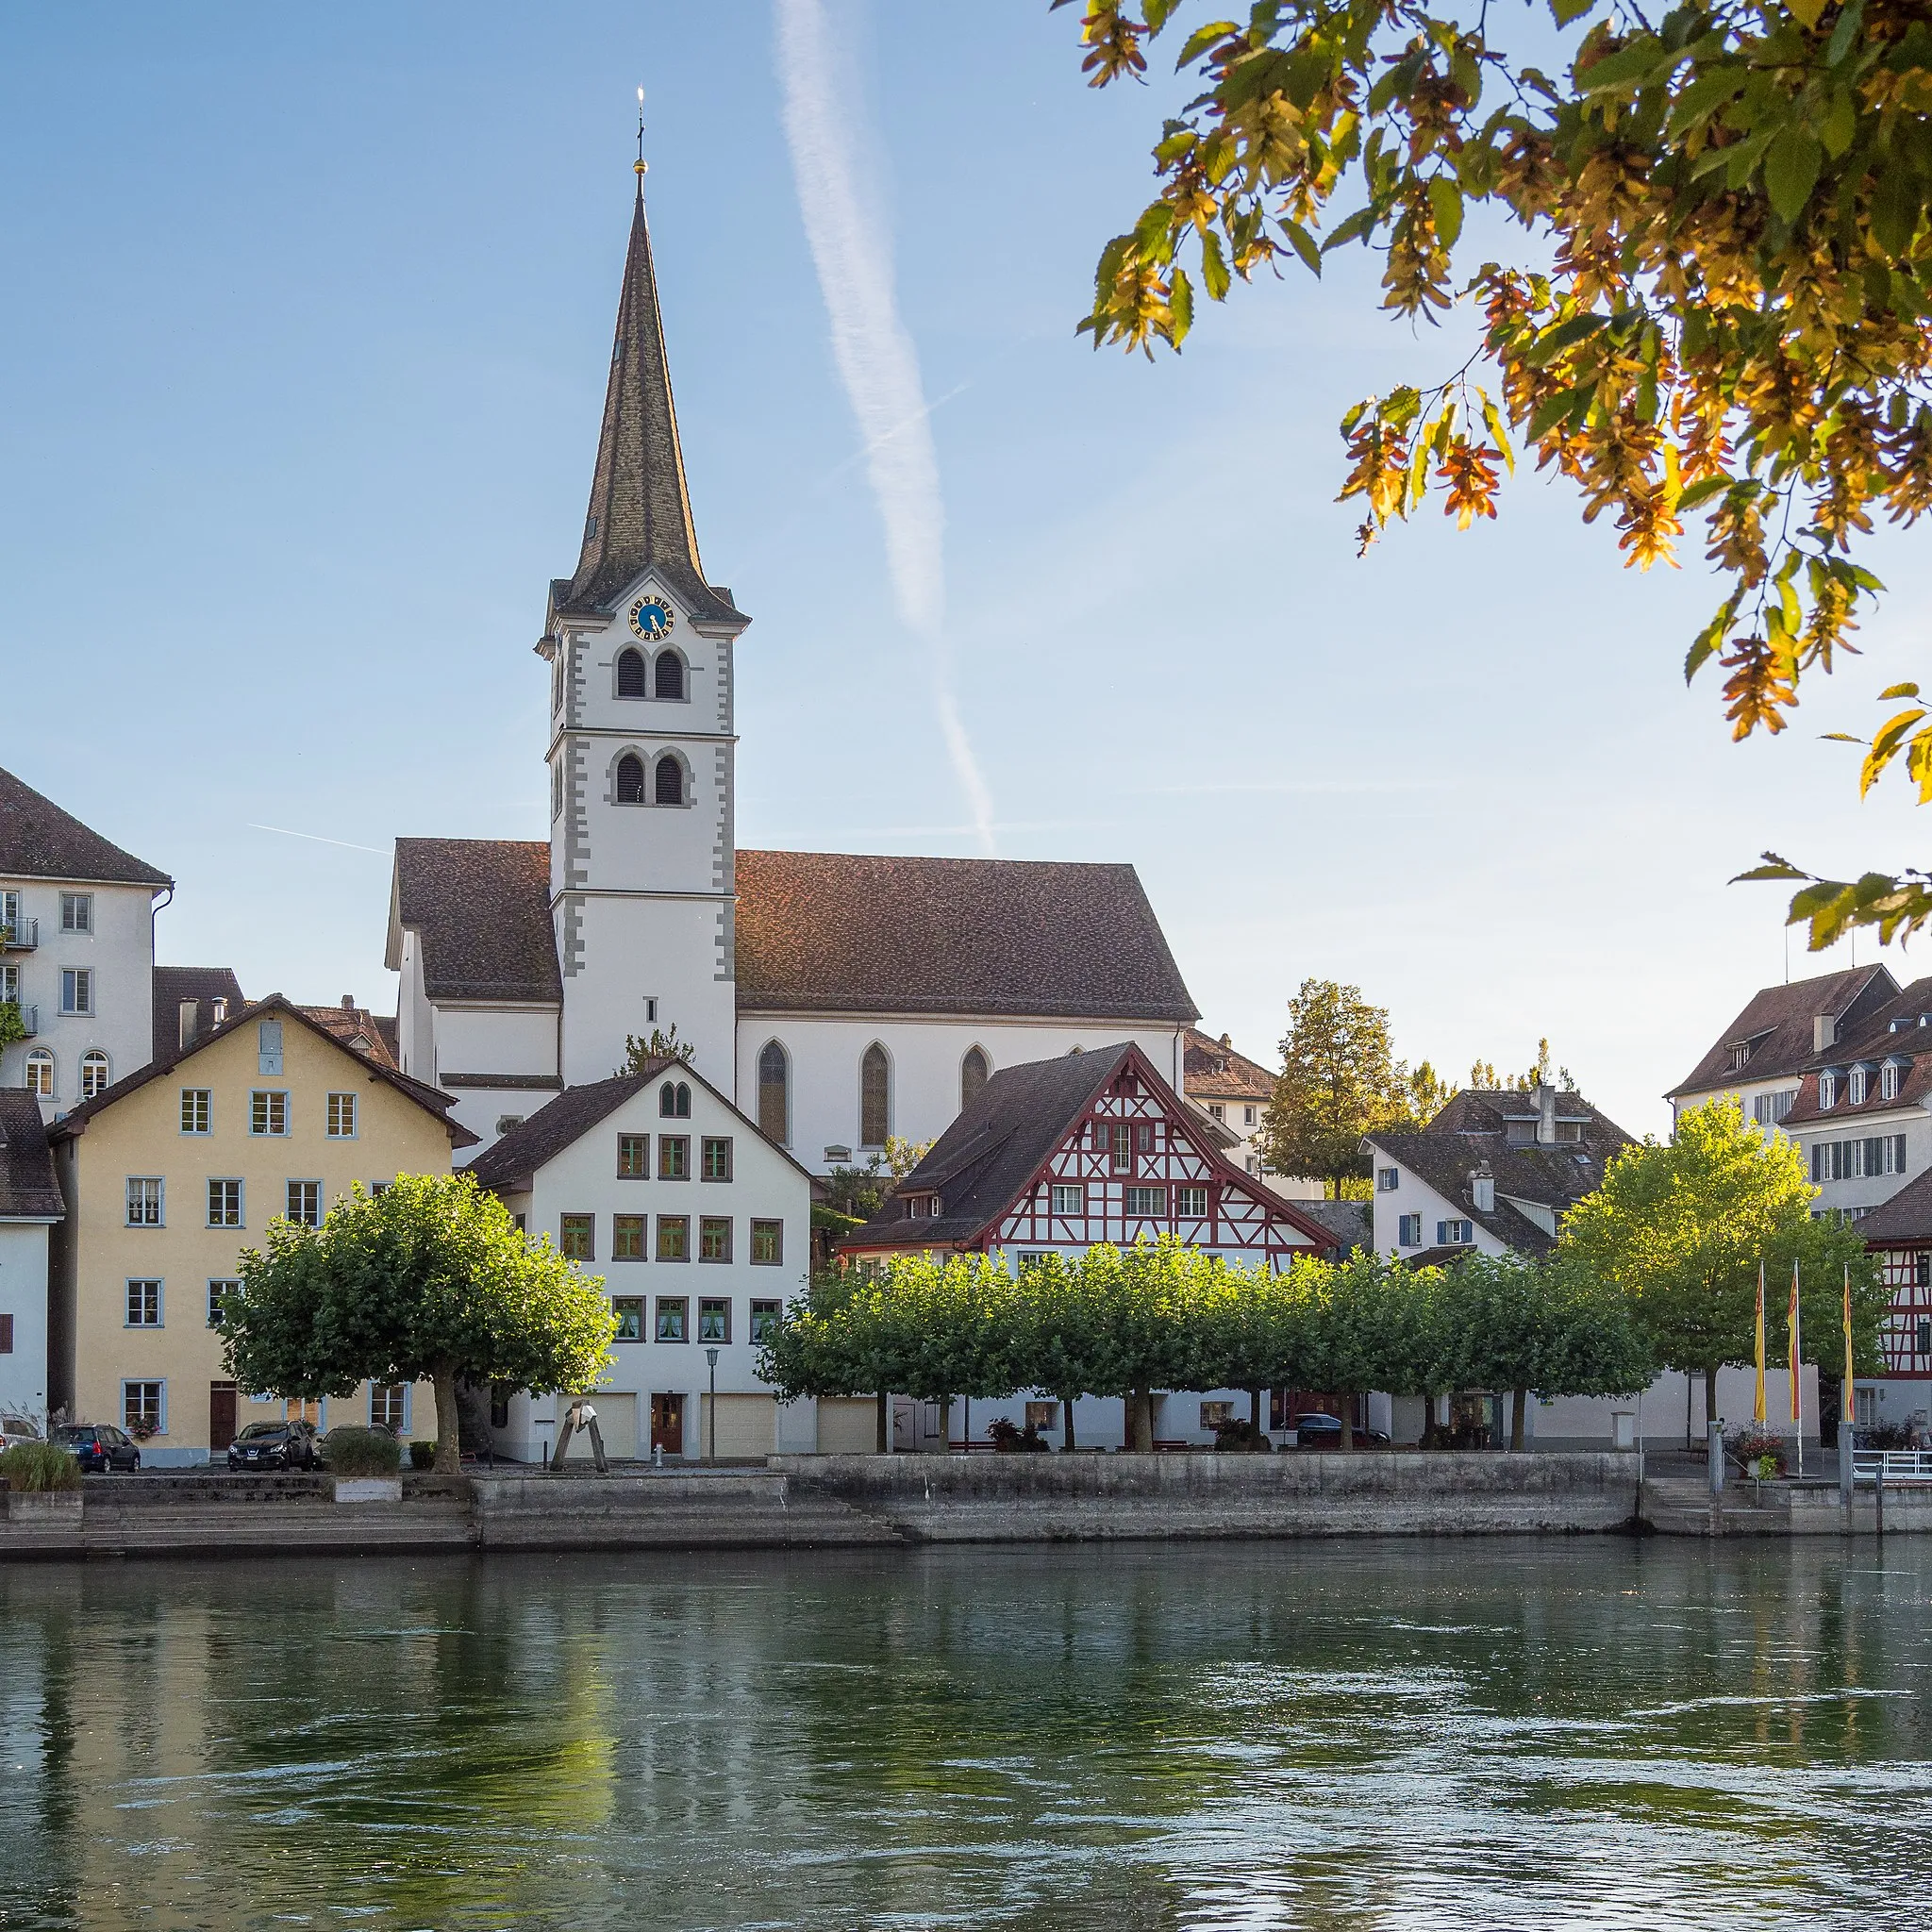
(877, 361)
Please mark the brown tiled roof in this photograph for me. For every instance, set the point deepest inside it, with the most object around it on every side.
(841, 932)
(38, 840)
(356, 1028)
(1777, 1025)
(639, 513)
(177, 985)
(481, 910)
(510, 1162)
(429, 1098)
(27, 1186)
(1907, 1217)
(981, 1163)
(1213, 1071)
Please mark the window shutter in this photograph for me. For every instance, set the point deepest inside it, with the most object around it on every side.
(1441, 1234)
(1898, 1142)
(271, 1046)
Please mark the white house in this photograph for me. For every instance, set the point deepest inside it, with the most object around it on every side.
(30, 1205)
(838, 998)
(701, 1229)
(77, 951)
(1234, 1091)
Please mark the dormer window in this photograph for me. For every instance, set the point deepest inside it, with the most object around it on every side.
(1889, 1075)
(1740, 1051)
(1856, 1086)
(1827, 1090)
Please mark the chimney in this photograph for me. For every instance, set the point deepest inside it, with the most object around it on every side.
(221, 1010)
(1545, 1114)
(1482, 1189)
(348, 1003)
(1227, 1042)
(190, 1021)
(1823, 1032)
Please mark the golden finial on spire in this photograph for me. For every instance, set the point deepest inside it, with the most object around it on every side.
(641, 169)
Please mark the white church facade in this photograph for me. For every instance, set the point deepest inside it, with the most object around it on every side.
(838, 999)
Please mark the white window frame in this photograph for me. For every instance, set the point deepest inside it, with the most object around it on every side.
(1888, 1080)
(1143, 1188)
(10, 981)
(1185, 1195)
(1068, 1198)
(1457, 1231)
(159, 1383)
(341, 1105)
(1388, 1179)
(1408, 1231)
(289, 1202)
(1858, 1084)
(40, 1073)
(258, 1112)
(197, 1111)
(77, 992)
(159, 1198)
(401, 1427)
(77, 912)
(240, 1197)
(95, 1060)
(1827, 1092)
(218, 1281)
(159, 1299)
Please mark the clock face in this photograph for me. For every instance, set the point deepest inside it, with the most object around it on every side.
(651, 617)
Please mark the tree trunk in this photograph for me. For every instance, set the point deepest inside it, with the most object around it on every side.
(1347, 1406)
(449, 1440)
(1709, 1399)
(1688, 1396)
(1432, 1425)
(1255, 1408)
(1140, 1420)
(884, 1427)
(1519, 1403)
(1067, 1422)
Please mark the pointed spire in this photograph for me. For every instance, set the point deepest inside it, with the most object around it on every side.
(639, 512)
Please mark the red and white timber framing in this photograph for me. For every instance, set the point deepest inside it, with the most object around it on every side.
(1137, 1164)
(1905, 1337)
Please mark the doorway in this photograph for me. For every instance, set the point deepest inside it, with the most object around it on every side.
(667, 1423)
(221, 1416)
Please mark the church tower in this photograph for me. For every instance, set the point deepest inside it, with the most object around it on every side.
(641, 735)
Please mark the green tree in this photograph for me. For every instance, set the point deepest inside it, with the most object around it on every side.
(1682, 1227)
(430, 1279)
(1339, 1080)
(1483, 1075)
(1429, 1094)
(640, 1054)
(1732, 203)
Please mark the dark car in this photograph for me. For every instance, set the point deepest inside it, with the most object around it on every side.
(98, 1447)
(276, 1445)
(1315, 1430)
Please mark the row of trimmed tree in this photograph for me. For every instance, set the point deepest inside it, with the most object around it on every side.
(1160, 1315)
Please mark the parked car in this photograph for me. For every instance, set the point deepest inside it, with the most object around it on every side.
(276, 1445)
(14, 1429)
(1315, 1430)
(98, 1447)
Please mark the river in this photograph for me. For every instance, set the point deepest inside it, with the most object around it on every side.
(1587, 1732)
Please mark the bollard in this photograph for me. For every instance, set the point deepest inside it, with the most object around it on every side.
(1716, 1437)
(1846, 1473)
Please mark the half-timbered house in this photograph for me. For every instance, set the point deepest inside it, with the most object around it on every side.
(1900, 1235)
(1055, 1157)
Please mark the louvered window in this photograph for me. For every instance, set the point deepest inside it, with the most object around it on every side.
(630, 674)
(630, 778)
(670, 781)
(669, 674)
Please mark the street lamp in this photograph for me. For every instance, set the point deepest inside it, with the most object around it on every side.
(712, 1357)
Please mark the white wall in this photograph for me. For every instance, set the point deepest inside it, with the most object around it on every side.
(1411, 1195)
(120, 951)
(24, 1295)
(583, 1180)
(925, 1056)
(640, 949)
(1869, 1191)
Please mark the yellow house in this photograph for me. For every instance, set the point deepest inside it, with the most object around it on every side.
(170, 1174)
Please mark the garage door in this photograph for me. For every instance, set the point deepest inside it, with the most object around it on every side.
(747, 1426)
(848, 1425)
(617, 1420)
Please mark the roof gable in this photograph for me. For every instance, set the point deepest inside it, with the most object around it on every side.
(29, 1189)
(1212, 1069)
(38, 840)
(1778, 1023)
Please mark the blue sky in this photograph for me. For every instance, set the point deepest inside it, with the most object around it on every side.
(310, 316)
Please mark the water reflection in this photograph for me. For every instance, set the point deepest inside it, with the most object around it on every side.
(1590, 1733)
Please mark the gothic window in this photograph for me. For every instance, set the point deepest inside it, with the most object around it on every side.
(774, 1083)
(674, 1099)
(875, 1096)
(631, 779)
(670, 781)
(630, 674)
(974, 1070)
(669, 674)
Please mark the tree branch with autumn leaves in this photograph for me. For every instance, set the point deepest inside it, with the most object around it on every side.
(1736, 322)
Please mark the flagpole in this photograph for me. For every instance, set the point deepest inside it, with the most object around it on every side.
(1797, 1386)
(1847, 1436)
(1757, 1412)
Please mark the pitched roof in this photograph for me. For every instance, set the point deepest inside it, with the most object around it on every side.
(480, 908)
(982, 1162)
(429, 1098)
(27, 1186)
(358, 1028)
(1213, 1071)
(174, 985)
(510, 1162)
(1776, 1026)
(639, 513)
(38, 840)
(1907, 1217)
(1472, 1132)
(1874, 1040)
(1351, 1222)
(843, 932)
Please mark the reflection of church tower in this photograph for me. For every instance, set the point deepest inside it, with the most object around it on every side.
(641, 739)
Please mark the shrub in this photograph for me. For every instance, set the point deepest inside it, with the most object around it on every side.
(362, 1452)
(421, 1454)
(34, 1468)
(1761, 1452)
(1238, 1432)
(1008, 1440)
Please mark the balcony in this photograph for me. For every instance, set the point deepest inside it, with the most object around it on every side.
(22, 936)
(30, 1019)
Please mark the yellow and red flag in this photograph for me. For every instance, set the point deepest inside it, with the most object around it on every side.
(1846, 1416)
(1758, 1409)
(1797, 1404)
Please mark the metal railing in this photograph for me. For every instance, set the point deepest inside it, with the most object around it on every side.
(22, 936)
(30, 1019)
(1894, 1465)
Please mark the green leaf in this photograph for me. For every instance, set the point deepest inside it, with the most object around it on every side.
(1446, 198)
(1790, 171)
(1401, 407)
(1702, 97)
(1897, 691)
(1202, 39)
(1564, 11)
(1703, 491)
(1645, 58)
(1357, 225)
(1809, 11)
(1845, 33)
(1897, 204)
(1773, 868)
(1302, 243)
(1214, 274)
(1556, 409)
(1156, 12)
(1553, 342)
(1839, 128)
(1182, 300)
(1493, 421)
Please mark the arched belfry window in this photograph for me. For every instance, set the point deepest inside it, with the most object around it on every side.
(631, 779)
(674, 1099)
(875, 1096)
(975, 1071)
(630, 674)
(775, 1092)
(668, 783)
(669, 674)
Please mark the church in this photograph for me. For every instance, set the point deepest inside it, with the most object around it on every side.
(838, 999)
